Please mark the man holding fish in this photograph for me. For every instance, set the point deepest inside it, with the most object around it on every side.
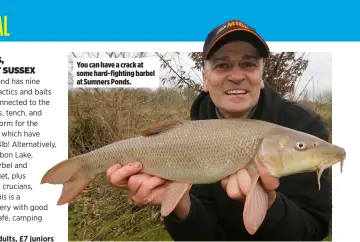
(233, 58)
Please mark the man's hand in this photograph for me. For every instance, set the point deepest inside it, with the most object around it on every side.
(144, 189)
(237, 185)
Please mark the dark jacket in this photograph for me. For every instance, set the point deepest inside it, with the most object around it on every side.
(300, 212)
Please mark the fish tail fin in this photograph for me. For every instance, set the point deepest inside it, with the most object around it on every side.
(73, 177)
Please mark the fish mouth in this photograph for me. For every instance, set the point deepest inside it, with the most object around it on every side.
(328, 162)
(236, 92)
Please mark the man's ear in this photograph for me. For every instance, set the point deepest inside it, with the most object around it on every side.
(262, 85)
(205, 88)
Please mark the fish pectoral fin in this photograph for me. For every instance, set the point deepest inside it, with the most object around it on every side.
(256, 205)
(174, 191)
(161, 126)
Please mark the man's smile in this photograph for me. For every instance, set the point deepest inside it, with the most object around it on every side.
(236, 92)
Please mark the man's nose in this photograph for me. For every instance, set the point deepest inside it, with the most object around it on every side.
(236, 74)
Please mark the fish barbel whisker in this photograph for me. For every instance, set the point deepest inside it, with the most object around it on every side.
(342, 163)
(324, 165)
(319, 172)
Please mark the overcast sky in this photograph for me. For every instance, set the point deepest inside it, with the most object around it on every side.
(320, 68)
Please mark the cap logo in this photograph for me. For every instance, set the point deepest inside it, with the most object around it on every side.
(232, 24)
(236, 23)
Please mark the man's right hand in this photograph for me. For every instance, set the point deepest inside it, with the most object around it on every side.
(144, 189)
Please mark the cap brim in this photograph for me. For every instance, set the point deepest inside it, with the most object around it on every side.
(242, 35)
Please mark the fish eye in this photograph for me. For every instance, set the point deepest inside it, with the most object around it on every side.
(300, 145)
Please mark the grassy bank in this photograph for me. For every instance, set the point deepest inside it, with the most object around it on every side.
(103, 212)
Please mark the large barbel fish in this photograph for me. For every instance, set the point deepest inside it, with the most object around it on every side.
(204, 151)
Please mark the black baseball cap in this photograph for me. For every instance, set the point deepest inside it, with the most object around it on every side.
(230, 31)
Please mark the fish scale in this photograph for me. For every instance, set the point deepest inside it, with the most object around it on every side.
(176, 154)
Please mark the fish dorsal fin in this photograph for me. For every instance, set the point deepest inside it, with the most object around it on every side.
(161, 126)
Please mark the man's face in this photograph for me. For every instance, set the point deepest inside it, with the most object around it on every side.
(233, 78)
